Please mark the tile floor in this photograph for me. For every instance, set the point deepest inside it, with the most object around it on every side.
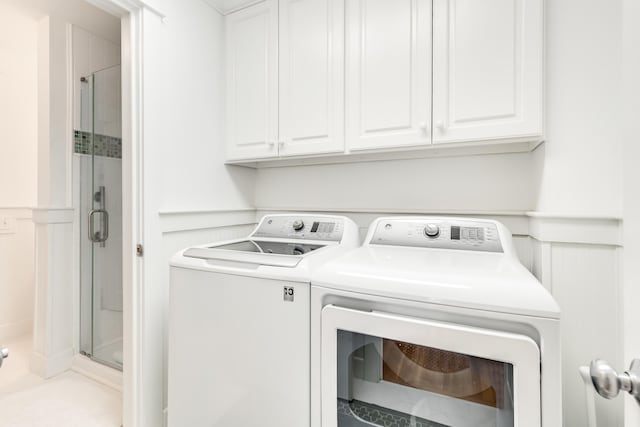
(67, 400)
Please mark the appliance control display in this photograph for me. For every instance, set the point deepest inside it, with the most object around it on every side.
(322, 227)
(300, 227)
(455, 232)
(439, 233)
(467, 233)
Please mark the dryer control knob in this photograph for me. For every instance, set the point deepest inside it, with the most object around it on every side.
(431, 230)
(298, 225)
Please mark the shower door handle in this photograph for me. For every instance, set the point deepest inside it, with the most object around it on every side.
(4, 353)
(102, 235)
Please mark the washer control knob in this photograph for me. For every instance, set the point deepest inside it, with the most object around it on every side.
(298, 225)
(432, 230)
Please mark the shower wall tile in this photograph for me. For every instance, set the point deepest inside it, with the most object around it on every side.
(100, 145)
(91, 53)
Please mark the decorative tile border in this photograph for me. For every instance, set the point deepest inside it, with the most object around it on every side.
(365, 414)
(103, 145)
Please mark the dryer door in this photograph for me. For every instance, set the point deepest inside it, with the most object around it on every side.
(383, 369)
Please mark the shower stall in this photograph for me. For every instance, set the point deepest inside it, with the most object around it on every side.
(98, 184)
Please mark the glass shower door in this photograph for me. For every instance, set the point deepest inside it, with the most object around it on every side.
(99, 143)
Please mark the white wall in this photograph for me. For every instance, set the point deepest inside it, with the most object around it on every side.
(448, 184)
(580, 172)
(183, 164)
(18, 107)
(18, 167)
(581, 163)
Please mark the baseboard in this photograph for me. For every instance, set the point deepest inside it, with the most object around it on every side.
(97, 372)
(47, 367)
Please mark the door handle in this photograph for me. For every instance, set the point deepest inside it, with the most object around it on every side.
(608, 383)
(4, 353)
(102, 235)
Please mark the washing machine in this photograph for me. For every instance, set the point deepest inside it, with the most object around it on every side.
(433, 322)
(239, 332)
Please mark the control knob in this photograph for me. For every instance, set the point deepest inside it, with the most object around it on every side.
(431, 230)
(298, 225)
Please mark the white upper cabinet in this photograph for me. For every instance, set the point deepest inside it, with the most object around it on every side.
(252, 82)
(311, 58)
(487, 70)
(318, 77)
(285, 79)
(388, 73)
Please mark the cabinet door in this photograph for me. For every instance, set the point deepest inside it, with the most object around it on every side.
(388, 73)
(487, 70)
(311, 58)
(252, 81)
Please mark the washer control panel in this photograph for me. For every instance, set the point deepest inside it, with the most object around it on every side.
(440, 233)
(303, 227)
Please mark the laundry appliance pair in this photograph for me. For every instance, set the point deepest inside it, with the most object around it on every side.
(432, 321)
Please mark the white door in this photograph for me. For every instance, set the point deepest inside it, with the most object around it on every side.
(252, 82)
(388, 73)
(631, 196)
(487, 70)
(382, 368)
(311, 58)
(631, 276)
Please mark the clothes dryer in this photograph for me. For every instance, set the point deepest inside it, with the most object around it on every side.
(434, 322)
(239, 333)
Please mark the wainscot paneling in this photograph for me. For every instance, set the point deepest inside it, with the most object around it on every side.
(584, 281)
(16, 272)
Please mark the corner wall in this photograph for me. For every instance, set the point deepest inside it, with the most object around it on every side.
(18, 169)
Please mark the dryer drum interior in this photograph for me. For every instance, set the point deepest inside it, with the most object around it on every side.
(445, 372)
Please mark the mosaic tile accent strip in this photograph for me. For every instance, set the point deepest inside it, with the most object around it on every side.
(362, 414)
(105, 146)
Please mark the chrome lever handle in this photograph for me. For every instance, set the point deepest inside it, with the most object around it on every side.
(608, 383)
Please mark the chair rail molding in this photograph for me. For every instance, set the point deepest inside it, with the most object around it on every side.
(603, 229)
(199, 219)
(52, 215)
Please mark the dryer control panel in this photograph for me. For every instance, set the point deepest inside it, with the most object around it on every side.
(439, 233)
(301, 227)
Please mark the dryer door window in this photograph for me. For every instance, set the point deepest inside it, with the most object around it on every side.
(386, 370)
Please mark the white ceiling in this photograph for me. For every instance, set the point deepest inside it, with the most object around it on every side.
(77, 12)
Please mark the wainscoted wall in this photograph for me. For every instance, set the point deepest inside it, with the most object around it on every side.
(16, 272)
(577, 259)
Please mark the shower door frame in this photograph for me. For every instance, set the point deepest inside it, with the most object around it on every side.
(85, 250)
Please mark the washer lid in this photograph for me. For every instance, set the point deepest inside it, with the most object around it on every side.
(276, 254)
(478, 280)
